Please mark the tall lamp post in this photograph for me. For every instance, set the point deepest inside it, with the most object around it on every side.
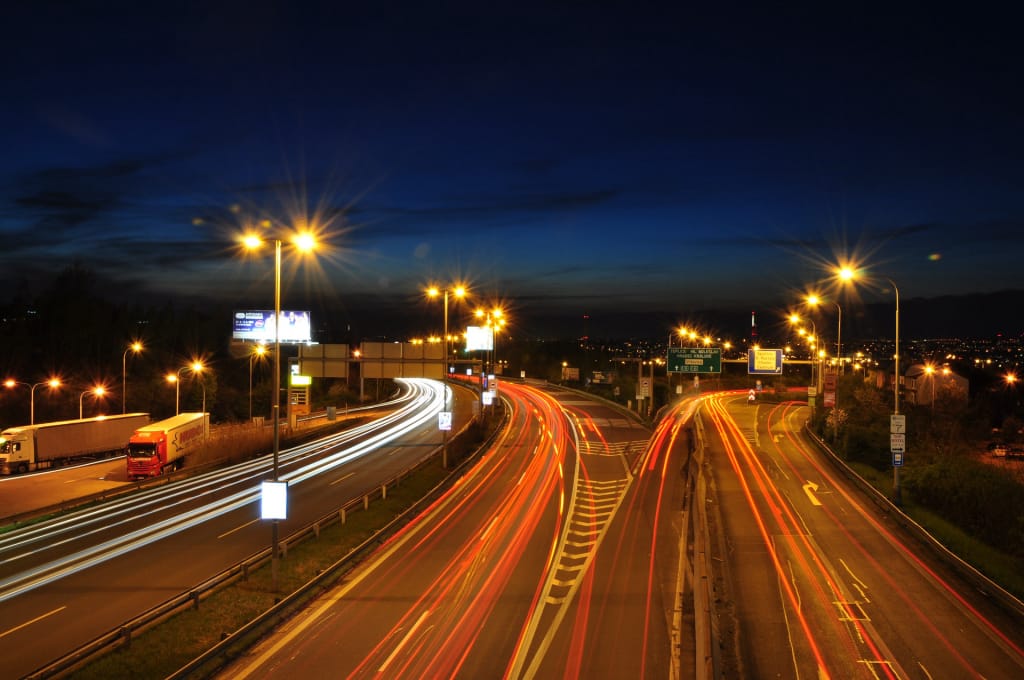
(303, 242)
(459, 292)
(11, 383)
(849, 274)
(494, 319)
(99, 391)
(53, 383)
(134, 347)
(795, 319)
(195, 367)
(814, 301)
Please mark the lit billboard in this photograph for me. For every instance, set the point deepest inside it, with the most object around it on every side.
(258, 326)
(479, 338)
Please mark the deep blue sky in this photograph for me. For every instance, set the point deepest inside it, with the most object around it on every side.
(567, 158)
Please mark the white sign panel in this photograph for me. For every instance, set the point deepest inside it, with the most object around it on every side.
(274, 500)
(479, 338)
(897, 423)
(444, 420)
(898, 443)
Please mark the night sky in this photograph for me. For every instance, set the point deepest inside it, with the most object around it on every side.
(639, 163)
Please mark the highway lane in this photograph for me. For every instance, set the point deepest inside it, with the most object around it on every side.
(66, 580)
(821, 582)
(489, 581)
(24, 494)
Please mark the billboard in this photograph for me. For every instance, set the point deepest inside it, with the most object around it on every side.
(479, 338)
(258, 326)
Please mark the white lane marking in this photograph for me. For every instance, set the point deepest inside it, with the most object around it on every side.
(238, 528)
(29, 623)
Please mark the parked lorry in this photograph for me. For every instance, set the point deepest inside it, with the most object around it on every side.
(44, 445)
(162, 446)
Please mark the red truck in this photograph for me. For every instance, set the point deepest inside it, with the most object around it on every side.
(161, 447)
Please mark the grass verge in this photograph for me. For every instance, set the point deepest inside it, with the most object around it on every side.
(1004, 569)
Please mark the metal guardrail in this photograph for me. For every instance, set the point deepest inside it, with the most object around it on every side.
(1006, 600)
(192, 598)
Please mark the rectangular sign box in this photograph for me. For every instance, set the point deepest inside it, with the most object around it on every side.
(694, 360)
(764, 361)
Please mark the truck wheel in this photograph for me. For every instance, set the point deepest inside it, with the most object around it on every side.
(22, 468)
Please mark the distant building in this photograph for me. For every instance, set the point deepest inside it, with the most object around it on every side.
(923, 386)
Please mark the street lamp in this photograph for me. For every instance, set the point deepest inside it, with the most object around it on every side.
(847, 274)
(458, 292)
(303, 242)
(99, 391)
(812, 341)
(494, 320)
(195, 367)
(814, 301)
(259, 351)
(134, 347)
(53, 383)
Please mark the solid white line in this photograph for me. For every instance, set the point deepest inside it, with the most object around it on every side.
(342, 479)
(238, 528)
(29, 623)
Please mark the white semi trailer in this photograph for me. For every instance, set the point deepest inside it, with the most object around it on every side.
(44, 445)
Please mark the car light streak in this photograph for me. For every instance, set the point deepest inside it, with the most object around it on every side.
(923, 619)
(722, 423)
(425, 400)
(159, 500)
(469, 584)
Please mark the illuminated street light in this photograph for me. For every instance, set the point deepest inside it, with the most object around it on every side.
(847, 274)
(99, 391)
(814, 301)
(459, 292)
(10, 383)
(494, 319)
(812, 341)
(195, 367)
(53, 384)
(302, 242)
(135, 347)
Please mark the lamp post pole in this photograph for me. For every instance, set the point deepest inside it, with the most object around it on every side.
(460, 292)
(896, 491)
(177, 390)
(276, 408)
(815, 369)
(134, 347)
(445, 385)
(98, 391)
(53, 383)
(839, 335)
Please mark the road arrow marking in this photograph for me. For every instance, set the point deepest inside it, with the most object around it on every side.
(809, 489)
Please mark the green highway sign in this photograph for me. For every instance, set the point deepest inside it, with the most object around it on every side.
(694, 360)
